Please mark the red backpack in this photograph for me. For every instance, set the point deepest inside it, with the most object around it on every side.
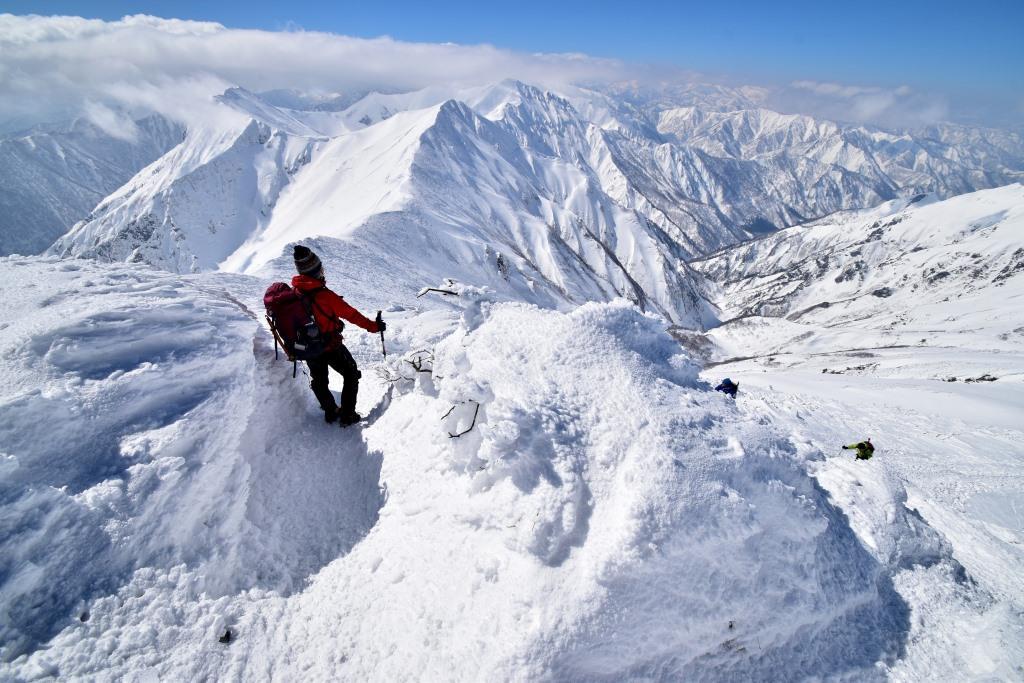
(291, 319)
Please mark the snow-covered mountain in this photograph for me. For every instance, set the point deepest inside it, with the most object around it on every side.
(50, 179)
(898, 269)
(575, 196)
(834, 163)
(193, 207)
(443, 187)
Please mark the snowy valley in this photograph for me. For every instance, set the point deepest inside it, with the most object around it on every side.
(54, 176)
(546, 485)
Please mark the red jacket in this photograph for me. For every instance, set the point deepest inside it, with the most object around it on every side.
(328, 307)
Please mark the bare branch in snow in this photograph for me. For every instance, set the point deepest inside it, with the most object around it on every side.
(447, 289)
(472, 424)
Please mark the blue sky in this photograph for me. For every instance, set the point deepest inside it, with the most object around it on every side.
(912, 62)
(953, 46)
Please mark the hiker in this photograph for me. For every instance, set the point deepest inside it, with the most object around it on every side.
(329, 310)
(864, 449)
(728, 387)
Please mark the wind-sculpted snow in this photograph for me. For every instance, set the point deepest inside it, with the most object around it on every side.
(110, 406)
(680, 529)
(52, 179)
(132, 445)
(553, 495)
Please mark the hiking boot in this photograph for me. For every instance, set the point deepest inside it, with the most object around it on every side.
(330, 416)
(349, 418)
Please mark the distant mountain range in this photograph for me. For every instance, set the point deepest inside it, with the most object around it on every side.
(554, 196)
(908, 270)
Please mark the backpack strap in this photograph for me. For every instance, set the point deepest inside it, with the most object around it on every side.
(306, 303)
(312, 300)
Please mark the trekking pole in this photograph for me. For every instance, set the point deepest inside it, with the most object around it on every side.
(383, 349)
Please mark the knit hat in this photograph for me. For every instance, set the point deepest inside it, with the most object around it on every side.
(306, 262)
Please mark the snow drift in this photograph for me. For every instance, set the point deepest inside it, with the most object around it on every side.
(605, 516)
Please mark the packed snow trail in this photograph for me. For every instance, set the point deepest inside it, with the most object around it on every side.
(139, 432)
(607, 515)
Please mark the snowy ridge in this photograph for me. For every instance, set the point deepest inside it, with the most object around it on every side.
(573, 532)
(192, 208)
(579, 197)
(458, 189)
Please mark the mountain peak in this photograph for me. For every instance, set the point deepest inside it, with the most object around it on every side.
(250, 104)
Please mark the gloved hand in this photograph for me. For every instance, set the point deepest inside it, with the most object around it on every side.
(846, 448)
(381, 326)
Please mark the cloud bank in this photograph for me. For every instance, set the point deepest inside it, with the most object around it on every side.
(57, 68)
(901, 106)
(51, 66)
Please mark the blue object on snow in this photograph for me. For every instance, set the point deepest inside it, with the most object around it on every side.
(728, 387)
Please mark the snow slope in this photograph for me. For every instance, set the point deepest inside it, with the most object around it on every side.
(917, 272)
(902, 324)
(52, 178)
(656, 530)
(955, 451)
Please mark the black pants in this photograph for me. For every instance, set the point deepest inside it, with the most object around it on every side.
(345, 365)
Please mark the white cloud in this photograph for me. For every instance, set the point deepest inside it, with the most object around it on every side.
(50, 65)
(897, 107)
(114, 123)
(834, 89)
(54, 68)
